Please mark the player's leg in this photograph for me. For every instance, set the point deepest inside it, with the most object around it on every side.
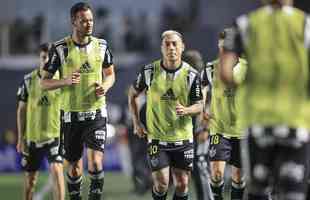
(58, 180)
(73, 150)
(31, 158)
(219, 154)
(181, 179)
(181, 167)
(237, 175)
(56, 169)
(74, 179)
(29, 184)
(96, 173)
(159, 163)
(160, 183)
(95, 136)
(237, 183)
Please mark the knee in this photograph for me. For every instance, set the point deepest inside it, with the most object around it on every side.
(31, 180)
(181, 185)
(161, 185)
(56, 168)
(217, 175)
(75, 169)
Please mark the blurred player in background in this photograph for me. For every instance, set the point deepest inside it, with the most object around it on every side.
(86, 74)
(173, 95)
(225, 126)
(276, 41)
(38, 123)
(201, 169)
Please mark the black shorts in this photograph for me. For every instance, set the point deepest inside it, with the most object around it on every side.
(91, 133)
(177, 156)
(225, 149)
(277, 156)
(35, 152)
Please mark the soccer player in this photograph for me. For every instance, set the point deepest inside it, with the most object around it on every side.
(38, 124)
(276, 41)
(225, 126)
(201, 167)
(173, 95)
(86, 74)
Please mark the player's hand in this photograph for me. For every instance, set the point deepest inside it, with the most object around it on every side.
(74, 78)
(206, 117)
(100, 91)
(139, 130)
(20, 146)
(180, 110)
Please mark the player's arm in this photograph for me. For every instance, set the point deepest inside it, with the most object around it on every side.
(22, 96)
(21, 124)
(134, 92)
(47, 82)
(232, 49)
(108, 81)
(195, 96)
(108, 74)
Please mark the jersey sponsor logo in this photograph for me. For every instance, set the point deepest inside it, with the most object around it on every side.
(54, 151)
(86, 68)
(169, 95)
(189, 154)
(43, 101)
(100, 134)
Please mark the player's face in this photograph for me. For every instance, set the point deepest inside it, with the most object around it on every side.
(43, 58)
(172, 47)
(83, 22)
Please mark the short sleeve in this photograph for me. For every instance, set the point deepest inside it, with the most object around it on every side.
(140, 83)
(108, 58)
(22, 92)
(54, 62)
(195, 91)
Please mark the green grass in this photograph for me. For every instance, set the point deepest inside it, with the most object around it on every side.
(116, 187)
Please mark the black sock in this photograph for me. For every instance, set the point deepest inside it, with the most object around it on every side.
(237, 190)
(181, 197)
(158, 196)
(74, 187)
(217, 189)
(96, 185)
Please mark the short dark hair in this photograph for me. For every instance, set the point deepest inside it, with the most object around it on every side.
(81, 6)
(45, 47)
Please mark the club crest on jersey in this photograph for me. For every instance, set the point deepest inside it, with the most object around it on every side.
(169, 95)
